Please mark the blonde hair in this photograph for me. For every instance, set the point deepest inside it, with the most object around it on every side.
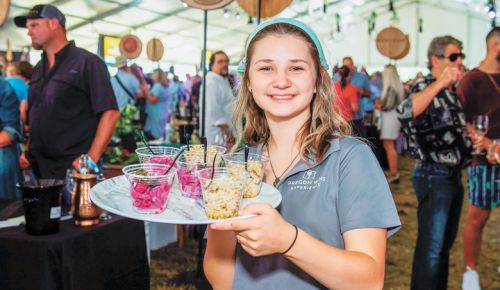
(160, 76)
(390, 80)
(325, 122)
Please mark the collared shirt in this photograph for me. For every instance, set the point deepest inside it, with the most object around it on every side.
(20, 87)
(65, 103)
(130, 82)
(220, 105)
(324, 199)
(9, 155)
(437, 135)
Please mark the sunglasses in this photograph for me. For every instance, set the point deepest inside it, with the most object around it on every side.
(454, 56)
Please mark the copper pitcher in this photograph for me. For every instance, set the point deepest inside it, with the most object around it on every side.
(85, 212)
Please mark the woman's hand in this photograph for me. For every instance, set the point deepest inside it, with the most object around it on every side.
(23, 161)
(479, 143)
(266, 233)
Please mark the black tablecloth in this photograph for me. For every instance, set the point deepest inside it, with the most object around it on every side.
(111, 255)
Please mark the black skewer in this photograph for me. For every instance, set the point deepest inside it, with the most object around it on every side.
(247, 150)
(140, 134)
(186, 138)
(175, 159)
(205, 149)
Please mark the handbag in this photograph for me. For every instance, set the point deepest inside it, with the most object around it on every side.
(390, 102)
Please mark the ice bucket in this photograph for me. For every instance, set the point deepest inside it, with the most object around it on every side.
(42, 205)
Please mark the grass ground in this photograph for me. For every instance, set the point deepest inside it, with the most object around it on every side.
(175, 268)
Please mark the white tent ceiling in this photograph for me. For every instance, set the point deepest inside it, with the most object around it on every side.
(180, 28)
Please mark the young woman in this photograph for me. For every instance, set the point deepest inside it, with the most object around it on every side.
(348, 99)
(392, 94)
(331, 227)
(157, 106)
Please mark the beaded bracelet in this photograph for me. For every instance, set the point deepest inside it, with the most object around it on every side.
(294, 239)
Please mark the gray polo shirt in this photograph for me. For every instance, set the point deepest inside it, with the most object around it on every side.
(346, 191)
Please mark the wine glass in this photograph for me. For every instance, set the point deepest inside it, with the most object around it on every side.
(481, 123)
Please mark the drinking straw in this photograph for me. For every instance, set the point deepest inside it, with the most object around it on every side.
(213, 170)
(186, 137)
(175, 159)
(247, 150)
(205, 149)
(213, 165)
(140, 134)
(187, 142)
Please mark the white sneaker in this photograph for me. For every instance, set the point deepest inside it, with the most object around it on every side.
(470, 280)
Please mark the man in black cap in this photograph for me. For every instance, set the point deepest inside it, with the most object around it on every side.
(71, 105)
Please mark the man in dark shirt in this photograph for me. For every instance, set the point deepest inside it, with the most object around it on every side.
(434, 121)
(72, 108)
(479, 93)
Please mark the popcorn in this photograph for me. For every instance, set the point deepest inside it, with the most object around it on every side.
(221, 192)
(222, 198)
(255, 170)
(196, 154)
(255, 167)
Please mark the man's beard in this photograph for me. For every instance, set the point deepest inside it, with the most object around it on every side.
(498, 56)
(37, 46)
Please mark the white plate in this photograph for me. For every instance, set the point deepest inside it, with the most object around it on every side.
(113, 195)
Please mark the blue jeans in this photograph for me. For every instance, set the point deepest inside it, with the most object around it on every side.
(440, 195)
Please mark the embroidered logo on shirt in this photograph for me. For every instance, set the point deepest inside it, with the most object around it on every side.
(309, 174)
(73, 71)
(307, 181)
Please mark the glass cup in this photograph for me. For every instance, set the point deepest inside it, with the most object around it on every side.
(222, 191)
(255, 165)
(481, 125)
(193, 160)
(196, 153)
(162, 154)
(150, 186)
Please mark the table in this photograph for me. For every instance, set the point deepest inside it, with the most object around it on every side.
(111, 255)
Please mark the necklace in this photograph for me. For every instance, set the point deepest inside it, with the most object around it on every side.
(278, 178)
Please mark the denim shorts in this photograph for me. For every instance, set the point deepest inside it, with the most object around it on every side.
(484, 186)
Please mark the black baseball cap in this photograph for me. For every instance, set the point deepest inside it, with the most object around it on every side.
(41, 11)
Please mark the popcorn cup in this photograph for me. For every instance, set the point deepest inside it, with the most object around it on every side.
(221, 192)
(255, 164)
(193, 160)
(163, 154)
(196, 154)
(149, 186)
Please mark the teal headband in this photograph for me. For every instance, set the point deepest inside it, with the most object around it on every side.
(302, 26)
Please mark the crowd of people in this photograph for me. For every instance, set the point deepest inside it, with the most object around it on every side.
(286, 106)
(436, 117)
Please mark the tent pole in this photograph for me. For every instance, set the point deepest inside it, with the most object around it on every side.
(204, 68)
(201, 230)
(259, 11)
